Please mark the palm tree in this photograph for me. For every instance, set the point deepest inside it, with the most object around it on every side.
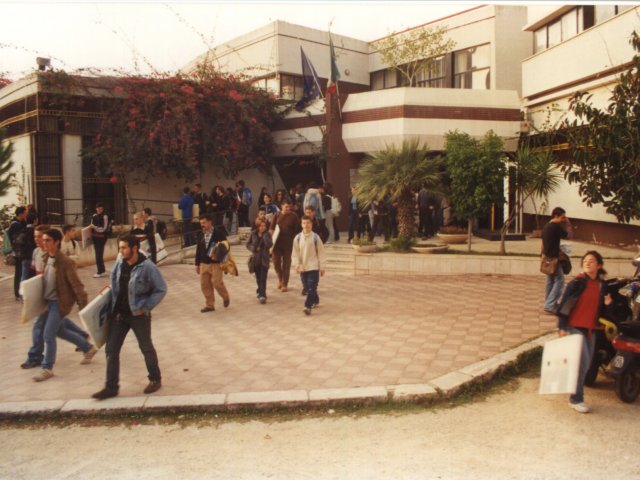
(396, 172)
(535, 176)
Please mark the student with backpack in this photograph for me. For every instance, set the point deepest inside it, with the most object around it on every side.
(69, 246)
(308, 258)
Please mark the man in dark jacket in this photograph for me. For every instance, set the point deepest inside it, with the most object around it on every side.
(210, 252)
(559, 227)
(17, 235)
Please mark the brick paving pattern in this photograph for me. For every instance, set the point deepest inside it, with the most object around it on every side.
(367, 331)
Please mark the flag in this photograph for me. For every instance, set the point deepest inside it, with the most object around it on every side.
(310, 83)
(332, 86)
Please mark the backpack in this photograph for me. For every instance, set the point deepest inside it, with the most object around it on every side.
(336, 206)
(313, 201)
(108, 232)
(6, 246)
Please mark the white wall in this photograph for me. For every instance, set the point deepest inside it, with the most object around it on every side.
(22, 169)
(72, 176)
(510, 47)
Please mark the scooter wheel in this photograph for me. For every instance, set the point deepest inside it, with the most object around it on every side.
(628, 385)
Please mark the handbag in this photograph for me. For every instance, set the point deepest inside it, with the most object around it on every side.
(565, 262)
(548, 265)
(250, 264)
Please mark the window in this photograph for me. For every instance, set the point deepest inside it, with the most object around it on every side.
(434, 74)
(471, 68)
(573, 22)
(291, 87)
(384, 79)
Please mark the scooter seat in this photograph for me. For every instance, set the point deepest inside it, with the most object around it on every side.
(630, 329)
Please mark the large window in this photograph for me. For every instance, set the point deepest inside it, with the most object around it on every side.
(471, 68)
(384, 79)
(573, 22)
(434, 74)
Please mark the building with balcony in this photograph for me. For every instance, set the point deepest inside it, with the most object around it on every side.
(576, 48)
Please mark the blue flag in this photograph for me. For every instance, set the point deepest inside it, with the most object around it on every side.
(310, 83)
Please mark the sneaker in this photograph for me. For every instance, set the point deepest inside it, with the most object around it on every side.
(30, 364)
(207, 309)
(154, 386)
(262, 300)
(307, 311)
(88, 355)
(105, 393)
(99, 275)
(45, 374)
(580, 407)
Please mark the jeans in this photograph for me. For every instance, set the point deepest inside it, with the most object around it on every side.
(553, 289)
(119, 326)
(17, 277)
(35, 353)
(353, 224)
(588, 346)
(310, 281)
(98, 247)
(26, 272)
(261, 280)
(54, 326)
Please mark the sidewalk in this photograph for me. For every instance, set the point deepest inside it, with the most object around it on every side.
(370, 339)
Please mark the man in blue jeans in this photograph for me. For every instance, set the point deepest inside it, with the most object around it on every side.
(559, 227)
(137, 287)
(61, 289)
(308, 258)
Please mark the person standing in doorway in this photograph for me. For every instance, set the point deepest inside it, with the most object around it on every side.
(137, 287)
(308, 257)
(100, 224)
(559, 227)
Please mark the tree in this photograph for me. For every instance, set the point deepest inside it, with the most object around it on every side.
(174, 125)
(476, 171)
(6, 164)
(605, 146)
(396, 172)
(413, 52)
(535, 176)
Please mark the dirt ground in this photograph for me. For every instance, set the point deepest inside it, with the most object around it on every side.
(512, 434)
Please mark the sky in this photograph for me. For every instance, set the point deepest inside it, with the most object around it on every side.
(147, 36)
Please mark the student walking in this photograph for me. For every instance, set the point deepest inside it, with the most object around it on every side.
(308, 258)
(100, 225)
(288, 225)
(211, 249)
(137, 287)
(259, 245)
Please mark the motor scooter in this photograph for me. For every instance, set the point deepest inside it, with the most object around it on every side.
(625, 366)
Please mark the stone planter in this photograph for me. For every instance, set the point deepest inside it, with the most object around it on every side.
(365, 248)
(430, 248)
(453, 237)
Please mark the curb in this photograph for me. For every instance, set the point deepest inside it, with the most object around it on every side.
(441, 388)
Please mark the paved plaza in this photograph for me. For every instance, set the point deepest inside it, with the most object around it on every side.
(367, 331)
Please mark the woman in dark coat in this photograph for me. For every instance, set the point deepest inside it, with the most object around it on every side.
(259, 245)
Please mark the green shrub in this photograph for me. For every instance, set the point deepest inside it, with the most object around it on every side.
(402, 244)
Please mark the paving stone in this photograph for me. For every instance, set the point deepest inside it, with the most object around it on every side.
(9, 409)
(91, 405)
(451, 382)
(267, 399)
(413, 392)
(176, 401)
(336, 395)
